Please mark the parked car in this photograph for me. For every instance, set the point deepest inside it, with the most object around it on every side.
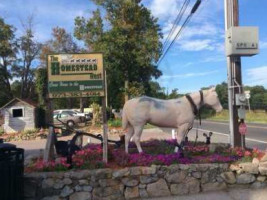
(84, 116)
(67, 118)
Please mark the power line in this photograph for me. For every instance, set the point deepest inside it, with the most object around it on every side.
(193, 10)
(176, 22)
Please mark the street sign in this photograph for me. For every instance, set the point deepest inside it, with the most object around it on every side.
(242, 128)
(75, 75)
(247, 94)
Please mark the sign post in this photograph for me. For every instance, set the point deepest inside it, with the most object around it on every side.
(77, 76)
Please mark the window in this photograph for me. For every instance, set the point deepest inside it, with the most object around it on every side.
(18, 112)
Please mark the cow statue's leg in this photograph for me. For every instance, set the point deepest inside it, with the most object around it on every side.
(137, 136)
(128, 136)
(181, 133)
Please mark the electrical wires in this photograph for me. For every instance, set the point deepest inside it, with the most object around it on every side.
(177, 20)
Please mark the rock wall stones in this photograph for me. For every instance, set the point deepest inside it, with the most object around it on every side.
(142, 182)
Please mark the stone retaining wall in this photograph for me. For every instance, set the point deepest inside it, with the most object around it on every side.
(143, 182)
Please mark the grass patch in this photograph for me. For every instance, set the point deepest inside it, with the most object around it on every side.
(252, 116)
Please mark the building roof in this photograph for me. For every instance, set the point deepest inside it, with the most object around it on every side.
(27, 101)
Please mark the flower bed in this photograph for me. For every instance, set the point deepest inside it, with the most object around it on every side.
(159, 152)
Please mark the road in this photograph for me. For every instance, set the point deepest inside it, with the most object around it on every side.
(256, 136)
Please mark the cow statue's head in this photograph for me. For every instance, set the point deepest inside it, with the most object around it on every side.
(211, 99)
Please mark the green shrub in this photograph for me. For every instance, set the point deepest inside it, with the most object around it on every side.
(30, 131)
(115, 123)
(1, 131)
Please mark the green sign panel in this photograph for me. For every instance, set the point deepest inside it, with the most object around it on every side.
(75, 75)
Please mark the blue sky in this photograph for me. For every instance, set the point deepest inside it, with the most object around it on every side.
(196, 59)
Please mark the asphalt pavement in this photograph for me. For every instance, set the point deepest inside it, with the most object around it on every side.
(256, 133)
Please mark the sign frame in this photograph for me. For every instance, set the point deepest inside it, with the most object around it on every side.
(75, 82)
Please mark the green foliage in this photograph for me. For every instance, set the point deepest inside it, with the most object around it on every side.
(1, 131)
(7, 55)
(131, 44)
(222, 91)
(41, 85)
(135, 90)
(114, 123)
(96, 114)
(29, 50)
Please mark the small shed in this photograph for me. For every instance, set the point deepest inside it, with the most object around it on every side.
(19, 115)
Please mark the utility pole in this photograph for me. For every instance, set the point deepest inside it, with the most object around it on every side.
(234, 74)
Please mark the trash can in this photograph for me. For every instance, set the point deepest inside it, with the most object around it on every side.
(11, 172)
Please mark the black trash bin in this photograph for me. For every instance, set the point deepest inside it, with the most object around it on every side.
(11, 172)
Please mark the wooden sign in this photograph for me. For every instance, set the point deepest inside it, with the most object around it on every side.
(75, 75)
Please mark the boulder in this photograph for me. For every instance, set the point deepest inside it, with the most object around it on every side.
(263, 168)
(108, 182)
(51, 198)
(130, 182)
(176, 177)
(229, 177)
(83, 182)
(131, 192)
(148, 170)
(135, 171)
(179, 189)
(143, 193)
(48, 183)
(213, 186)
(261, 178)
(121, 173)
(80, 196)
(245, 178)
(249, 167)
(192, 184)
(148, 179)
(158, 189)
(87, 188)
(66, 191)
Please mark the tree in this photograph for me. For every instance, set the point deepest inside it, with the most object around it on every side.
(174, 94)
(7, 57)
(131, 43)
(28, 50)
(61, 42)
(222, 91)
(155, 90)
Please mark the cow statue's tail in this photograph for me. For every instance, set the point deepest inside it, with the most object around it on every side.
(124, 118)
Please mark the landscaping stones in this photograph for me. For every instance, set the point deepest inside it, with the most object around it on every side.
(131, 192)
(263, 168)
(80, 196)
(158, 189)
(213, 186)
(229, 177)
(249, 167)
(245, 178)
(143, 182)
(176, 177)
(66, 191)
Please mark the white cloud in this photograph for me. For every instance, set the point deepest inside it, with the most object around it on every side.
(188, 75)
(257, 76)
(163, 9)
(263, 44)
(197, 45)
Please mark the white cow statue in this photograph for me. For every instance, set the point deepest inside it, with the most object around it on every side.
(174, 113)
